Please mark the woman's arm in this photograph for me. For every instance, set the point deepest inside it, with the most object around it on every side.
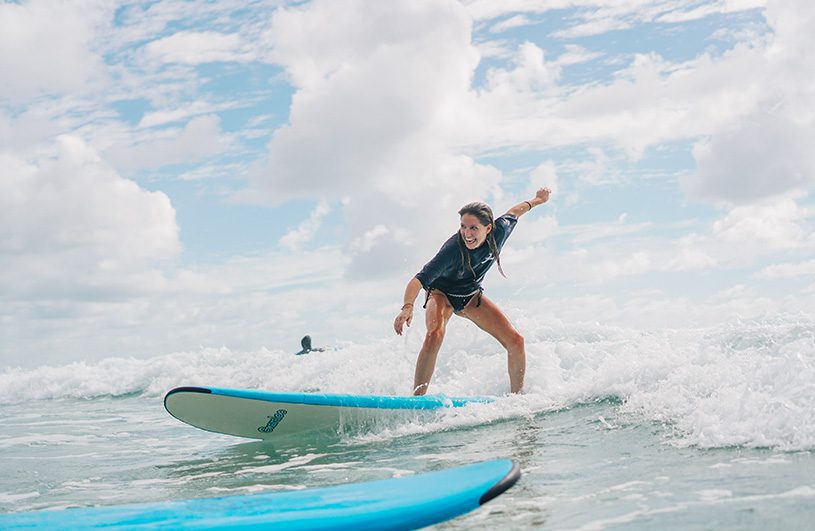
(523, 207)
(406, 314)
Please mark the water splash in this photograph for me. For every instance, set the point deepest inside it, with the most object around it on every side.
(746, 383)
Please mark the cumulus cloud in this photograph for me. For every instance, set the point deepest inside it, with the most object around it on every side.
(20, 131)
(47, 47)
(69, 223)
(648, 102)
(773, 224)
(531, 74)
(766, 154)
(767, 150)
(751, 105)
(376, 86)
(379, 92)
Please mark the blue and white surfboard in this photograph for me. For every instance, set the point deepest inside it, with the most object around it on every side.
(398, 503)
(270, 416)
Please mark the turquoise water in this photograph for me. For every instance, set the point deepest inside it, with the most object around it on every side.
(619, 430)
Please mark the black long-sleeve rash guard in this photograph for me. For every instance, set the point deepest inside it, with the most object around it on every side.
(446, 273)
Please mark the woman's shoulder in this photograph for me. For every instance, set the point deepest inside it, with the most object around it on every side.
(450, 246)
(507, 221)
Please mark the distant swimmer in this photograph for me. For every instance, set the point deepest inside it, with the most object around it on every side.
(452, 282)
(306, 344)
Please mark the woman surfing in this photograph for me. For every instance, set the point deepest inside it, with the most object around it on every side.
(452, 282)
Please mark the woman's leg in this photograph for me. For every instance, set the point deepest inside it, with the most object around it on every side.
(437, 314)
(491, 319)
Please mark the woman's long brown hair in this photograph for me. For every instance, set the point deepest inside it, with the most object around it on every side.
(483, 212)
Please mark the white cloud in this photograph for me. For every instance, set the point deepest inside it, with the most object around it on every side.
(764, 155)
(543, 176)
(184, 112)
(767, 150)
(512, 22)
(690, 256)
(376, 87)
(367, 241)
(535, 230)
(201, 138)
(27, 128)
(607, 13)
(593, 27)
(598, 231)
(772, 224)
(532, 74)
(296, 238)
(787, 270)
(196, 47)
(47, 47)
(69, 223)
(576, 54)
(621, 250)
(654, 100)
(697, 12)
(597, 171)
(648, 102)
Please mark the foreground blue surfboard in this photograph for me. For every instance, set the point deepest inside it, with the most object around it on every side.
(398, 503)
(270, 416)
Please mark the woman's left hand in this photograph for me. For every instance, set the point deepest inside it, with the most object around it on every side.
(543, 195)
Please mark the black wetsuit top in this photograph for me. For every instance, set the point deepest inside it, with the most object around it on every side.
(446, 273)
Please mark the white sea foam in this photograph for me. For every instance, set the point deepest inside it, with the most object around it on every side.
(742, 384)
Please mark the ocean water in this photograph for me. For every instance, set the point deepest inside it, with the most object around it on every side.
(708, 428)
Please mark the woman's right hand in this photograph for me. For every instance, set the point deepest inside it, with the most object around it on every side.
(404, 318)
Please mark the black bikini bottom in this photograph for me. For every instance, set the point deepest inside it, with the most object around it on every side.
(458, 302)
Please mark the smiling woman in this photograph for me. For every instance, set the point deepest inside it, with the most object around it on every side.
(452, 280)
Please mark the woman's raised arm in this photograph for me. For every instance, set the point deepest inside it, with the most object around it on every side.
(523, 207)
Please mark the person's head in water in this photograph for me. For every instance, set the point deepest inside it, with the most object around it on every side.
(306, 343)
(477, 226)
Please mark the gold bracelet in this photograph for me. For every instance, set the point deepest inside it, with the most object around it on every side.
(407, 304)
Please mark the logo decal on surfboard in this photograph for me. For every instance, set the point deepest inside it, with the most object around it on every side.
(274, 420)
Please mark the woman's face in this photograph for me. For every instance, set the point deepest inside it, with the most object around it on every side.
(473, 232)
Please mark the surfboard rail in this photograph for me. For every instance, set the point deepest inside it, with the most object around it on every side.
(397, 503)
(274, 416)
(340, 400)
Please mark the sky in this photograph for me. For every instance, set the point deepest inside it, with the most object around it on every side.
(177, 175)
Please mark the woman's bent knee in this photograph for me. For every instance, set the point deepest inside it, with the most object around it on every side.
(515, 343)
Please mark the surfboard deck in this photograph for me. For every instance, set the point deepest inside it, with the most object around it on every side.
(397, 503)
(271, 416)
